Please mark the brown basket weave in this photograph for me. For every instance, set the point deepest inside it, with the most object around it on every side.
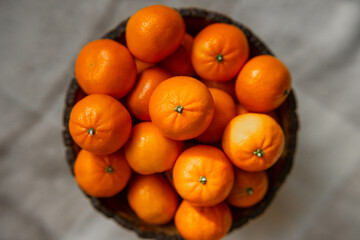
(118, 208)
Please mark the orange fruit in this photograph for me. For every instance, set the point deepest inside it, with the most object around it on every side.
(152, 198)
(106, 67)
(205, 223)
(181, 107)
(203, 175)
(148, 151)
(219, 52)
(101, 176)
(253, 141)
(100, 124)
(263, 84)
(249, 188)
(141, 66)
(228, 86)
(240, 109)
(225, 110)
(154, 32)
(138, 99)
(179, 63)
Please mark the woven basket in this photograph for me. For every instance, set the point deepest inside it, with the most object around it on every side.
(117, 207)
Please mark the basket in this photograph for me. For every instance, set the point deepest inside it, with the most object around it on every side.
(117, 207)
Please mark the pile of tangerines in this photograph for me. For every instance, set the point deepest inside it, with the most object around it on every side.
(175, 116)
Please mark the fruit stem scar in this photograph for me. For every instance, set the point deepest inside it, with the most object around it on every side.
(259, 152)
(91, 131)
(219, 58)
(249, 191)
(285, 92)
(109, 169)
(179, 109)
(203, 180)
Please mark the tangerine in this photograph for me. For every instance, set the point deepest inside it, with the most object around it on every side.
(203, 175)
(105, 67)
(181, 107)
(148, 151)
(100, 124)
(263, 84)
(253, 141)
(205, 223)
(152, 198)
(101, 176)
(154, 32)
(220, 50)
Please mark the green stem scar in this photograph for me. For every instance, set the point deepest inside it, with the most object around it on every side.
(179, 109)
(219, 58)
(259, 152)
(203, 180)
(285, 92)
(249, 191)
(109, 169)
(91, 131)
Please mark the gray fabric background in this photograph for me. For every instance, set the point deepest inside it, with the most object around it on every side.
(319, 40)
